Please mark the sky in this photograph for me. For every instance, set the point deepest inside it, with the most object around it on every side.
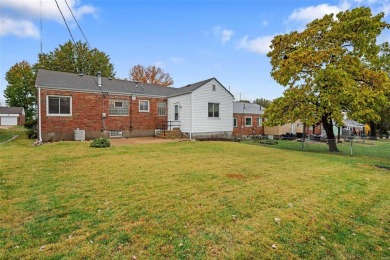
(192, 40)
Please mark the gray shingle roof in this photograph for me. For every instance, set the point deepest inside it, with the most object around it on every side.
(11, 110)
(75, 82)
(246, 108)
(71, 81)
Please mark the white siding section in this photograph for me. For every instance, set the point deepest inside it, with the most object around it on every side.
(184, 102)
(201, 123)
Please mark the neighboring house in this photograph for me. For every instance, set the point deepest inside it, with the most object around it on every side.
(349, 128)
(204, 109)
(290, 128)
(108, 107)
(247, 119)
(12, 116)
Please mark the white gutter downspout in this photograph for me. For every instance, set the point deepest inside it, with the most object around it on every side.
(39, 116)
(191, 116)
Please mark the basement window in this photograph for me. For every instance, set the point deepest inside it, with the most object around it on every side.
(118, 107)
(115, 133)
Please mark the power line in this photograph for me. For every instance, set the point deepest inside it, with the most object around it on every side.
(65, 22)
(78, 24)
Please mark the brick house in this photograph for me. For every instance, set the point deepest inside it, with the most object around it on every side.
(12, 116)
(247, 119)
(108, 107)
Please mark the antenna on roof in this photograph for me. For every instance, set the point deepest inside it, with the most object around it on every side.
(41, 23)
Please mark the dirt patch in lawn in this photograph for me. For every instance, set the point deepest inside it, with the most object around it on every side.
(140, 140)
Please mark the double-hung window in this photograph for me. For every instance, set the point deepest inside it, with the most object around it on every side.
(59, 105)
(118, 107)
(161, 108)
(213, 110)
(144, 106)
(248, 121)
(259, 121)
(234, 121)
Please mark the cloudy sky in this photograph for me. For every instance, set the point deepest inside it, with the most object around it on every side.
(190, 39)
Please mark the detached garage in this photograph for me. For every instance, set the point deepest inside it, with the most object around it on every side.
(10, 116)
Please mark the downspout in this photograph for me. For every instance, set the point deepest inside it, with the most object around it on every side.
(191, 116)
(39, 116)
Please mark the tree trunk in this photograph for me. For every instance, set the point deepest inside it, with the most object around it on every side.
(372, 130)
(328, 127)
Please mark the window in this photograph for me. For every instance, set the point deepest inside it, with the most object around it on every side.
(214, 87)
(162, 109)
(213, 110)
(115, 133)
(248, 121)
(118, 108)
(259, 121)
(144, 106)
(176, 112)
(234, 121)
(59, 105)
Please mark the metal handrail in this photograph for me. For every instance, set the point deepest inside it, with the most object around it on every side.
(168, 125)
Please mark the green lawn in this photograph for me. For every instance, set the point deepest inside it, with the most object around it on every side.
(360, 147)
(6, 134)
(190, 200)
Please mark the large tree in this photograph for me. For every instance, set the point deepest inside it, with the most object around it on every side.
(76, 58)
(150, 74)
(20, 91)
(382, 63)
(263, 102)
(326, 69)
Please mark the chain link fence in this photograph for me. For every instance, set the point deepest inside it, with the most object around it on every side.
(350, 146)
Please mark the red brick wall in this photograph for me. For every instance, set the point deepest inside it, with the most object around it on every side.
(21, 119)
(247, 130)
(87, 109)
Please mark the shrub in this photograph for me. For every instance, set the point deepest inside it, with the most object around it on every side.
(101, 142)
(32, 133)
(32, 128)
(31, 123)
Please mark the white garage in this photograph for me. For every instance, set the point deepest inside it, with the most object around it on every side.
(11, 116)
(9, 120)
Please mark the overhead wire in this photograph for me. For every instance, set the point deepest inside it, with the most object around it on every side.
(78, 25)
(63, 17)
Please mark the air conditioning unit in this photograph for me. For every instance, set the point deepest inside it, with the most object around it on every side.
(79, 135)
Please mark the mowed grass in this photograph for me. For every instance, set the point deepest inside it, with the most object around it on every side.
(360, 148)
(189, 200)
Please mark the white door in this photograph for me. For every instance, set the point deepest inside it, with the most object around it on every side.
(9, 120)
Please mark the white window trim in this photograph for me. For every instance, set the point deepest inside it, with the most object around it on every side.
(259, 121)
(251, 121)
(120, 134)
(219, 111)
(47, 105)
(165, 114)
(236, 121)
(139, 106)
